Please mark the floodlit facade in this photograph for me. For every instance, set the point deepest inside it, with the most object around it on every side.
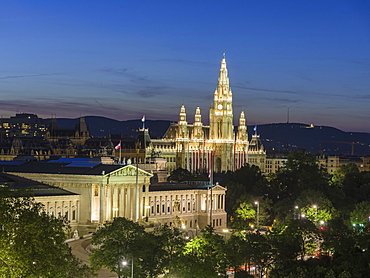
(99, 192)
(200, 148)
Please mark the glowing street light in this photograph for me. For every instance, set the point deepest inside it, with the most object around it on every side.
(296, 212)
(258, 212)
(125, 263)
(315, 207)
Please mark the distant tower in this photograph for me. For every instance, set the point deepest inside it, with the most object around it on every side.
(198, 126)
(256, 152)
(182, 137)
(242, 129)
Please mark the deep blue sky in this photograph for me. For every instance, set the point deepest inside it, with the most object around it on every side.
(123, 59)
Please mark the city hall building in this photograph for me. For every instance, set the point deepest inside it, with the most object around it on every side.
(200, 148)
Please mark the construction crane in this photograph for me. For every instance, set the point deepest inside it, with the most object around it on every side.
(348, 143)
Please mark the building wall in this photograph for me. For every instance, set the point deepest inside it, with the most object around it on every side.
(189, 209)
(67, 206)
(102, 197)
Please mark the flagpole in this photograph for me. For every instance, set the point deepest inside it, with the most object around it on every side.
(120, 153)
(211, 181)
(144, 139)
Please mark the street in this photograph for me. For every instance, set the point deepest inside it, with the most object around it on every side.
(79, 250)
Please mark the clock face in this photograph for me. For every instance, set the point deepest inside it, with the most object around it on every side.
(219, 106)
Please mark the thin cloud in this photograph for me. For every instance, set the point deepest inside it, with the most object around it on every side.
(266, 90)
(152, 92)
(24, 76)
(124, 72)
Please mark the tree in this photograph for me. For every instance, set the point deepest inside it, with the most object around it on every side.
(116, 242)
(357, 186)
(245, 215)
(236, 251)
(247, 180)
(32, 243)
(261, 251)
(295, 240)
(349, 249)
(300, 172)
(172, 243)
(180, 175)
(315, 206)
(245, 212)
(361, 213)
(204, 256)
(345, 169)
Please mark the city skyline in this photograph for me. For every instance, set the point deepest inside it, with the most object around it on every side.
(122, 59)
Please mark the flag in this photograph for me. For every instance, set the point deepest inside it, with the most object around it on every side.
(255, 128)
(118, 146)
(143, 119)
(209, 174)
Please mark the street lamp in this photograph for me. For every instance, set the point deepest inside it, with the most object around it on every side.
(258, 212)
(296, 212)
(125, 263)
(315, 207)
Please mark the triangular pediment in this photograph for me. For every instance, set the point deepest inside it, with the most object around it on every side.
(219, 187)
(131, 171)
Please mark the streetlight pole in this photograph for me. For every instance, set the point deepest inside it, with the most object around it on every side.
(315, 207)
(136, 203)
(258, 212)
(296, 213)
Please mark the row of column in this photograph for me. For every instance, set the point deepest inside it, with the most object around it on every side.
(68, 209)
(198, 160)
(127, 201)
(165, 205)
(218, 202)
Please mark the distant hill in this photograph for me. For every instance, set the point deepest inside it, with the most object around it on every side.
(314, 139)
(103, 127)
(277, 136)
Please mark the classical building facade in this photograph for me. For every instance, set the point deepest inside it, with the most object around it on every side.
(94, 192)
(190, 206)
(200, 148)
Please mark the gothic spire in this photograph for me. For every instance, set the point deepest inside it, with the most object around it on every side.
(183, 116)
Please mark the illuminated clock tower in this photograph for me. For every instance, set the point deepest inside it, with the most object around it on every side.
(222, 136)
(221, 112)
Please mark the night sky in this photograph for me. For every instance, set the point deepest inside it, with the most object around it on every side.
(123, 59)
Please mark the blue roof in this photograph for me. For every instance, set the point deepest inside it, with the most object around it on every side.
(82, 164)
(12, 162)
(69, 160)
